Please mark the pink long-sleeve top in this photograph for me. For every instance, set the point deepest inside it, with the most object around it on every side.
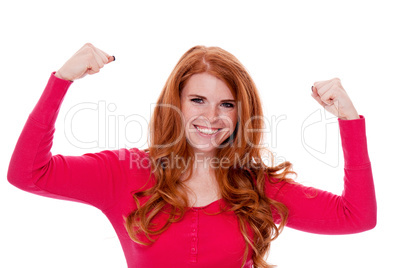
(106, 180)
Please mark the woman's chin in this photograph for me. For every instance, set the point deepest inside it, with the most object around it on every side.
(203, 149)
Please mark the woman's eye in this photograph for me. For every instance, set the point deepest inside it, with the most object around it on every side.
(228, 105)
(225, 104)
(197, 100)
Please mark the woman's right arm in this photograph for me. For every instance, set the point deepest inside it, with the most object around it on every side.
(90, 178)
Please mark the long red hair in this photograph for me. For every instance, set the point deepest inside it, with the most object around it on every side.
(242, 183)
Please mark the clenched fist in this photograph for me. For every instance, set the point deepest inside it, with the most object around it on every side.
(332, 96)
(87, 60)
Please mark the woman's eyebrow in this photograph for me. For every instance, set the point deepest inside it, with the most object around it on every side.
(202, 97)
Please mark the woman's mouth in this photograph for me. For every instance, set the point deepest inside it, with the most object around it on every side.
(207, 131)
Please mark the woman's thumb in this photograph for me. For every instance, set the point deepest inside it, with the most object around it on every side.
(111, 58)
(317, 97)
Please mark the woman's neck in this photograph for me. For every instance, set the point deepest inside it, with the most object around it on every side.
(203, 168)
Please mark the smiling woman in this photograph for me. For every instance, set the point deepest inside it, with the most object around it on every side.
(209, 111)
(219, 105)
(200, 195)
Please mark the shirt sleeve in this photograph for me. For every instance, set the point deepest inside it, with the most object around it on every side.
(317, 211)
(94, 178)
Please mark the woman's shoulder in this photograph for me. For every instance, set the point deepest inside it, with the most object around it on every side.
(132, 163)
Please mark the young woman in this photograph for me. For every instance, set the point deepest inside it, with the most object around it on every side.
(200, 195)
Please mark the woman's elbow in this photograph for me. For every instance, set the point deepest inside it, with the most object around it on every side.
(12, 176)
(372, 222)
(17, 178)
(368, 223)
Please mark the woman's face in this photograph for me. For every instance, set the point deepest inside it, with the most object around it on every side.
(209, 111)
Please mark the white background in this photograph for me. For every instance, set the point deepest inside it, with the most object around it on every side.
(285, 45)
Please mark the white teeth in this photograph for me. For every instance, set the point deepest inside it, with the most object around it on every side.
(207, 131)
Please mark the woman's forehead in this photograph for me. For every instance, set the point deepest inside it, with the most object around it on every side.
(207, 84)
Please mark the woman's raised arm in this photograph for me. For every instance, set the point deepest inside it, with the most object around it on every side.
(93, 178)
(318, 211)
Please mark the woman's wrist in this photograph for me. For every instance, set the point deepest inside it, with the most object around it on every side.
(350, 117)
(58, 75)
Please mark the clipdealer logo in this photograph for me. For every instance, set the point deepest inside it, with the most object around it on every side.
(320, 137)
(112, 128)
(319, 131)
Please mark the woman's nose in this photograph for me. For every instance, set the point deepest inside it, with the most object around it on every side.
(212, 114)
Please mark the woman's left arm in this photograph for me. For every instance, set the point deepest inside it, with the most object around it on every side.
(317, 211)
